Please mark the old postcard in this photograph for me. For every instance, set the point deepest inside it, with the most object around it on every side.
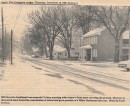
(67, 53)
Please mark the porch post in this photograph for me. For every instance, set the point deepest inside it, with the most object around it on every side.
(83, 54)
(91, 54)
(79, 53)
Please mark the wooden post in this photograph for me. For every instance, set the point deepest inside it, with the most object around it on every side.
(11, 47)
(2, 19)
(129, 31)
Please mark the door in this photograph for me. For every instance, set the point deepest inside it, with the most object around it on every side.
(88, 54)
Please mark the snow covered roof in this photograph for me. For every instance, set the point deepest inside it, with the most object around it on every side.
(35, 49)
(125, 35)
(95, 32)
(86, 47)
(58, 48)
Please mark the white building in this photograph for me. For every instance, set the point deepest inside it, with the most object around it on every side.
(97, 45)
(59, 52)
(124, 46)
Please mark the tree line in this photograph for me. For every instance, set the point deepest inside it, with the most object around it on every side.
(49, 23)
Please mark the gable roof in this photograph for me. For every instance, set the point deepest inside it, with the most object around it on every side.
(58, 48)
(94, 32)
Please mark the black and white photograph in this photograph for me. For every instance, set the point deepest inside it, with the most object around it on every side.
(55, 52)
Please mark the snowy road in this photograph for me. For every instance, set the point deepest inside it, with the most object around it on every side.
(99, 82)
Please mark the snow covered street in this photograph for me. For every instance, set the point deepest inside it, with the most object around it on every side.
(46, 77)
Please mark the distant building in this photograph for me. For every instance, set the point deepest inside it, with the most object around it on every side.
(124, 46)
(36, 51)
(97, 45)
(76, 33)
(59, 52)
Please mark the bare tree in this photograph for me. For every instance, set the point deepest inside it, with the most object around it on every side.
(85, 18)
(68, 23)
(115, 19)
(47, 21)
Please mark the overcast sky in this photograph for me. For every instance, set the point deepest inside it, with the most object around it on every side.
(12, 10)
(19, 11)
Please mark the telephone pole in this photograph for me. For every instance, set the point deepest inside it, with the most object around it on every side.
(2, 19)
(5, 50)
(11, 47)
(129, 30)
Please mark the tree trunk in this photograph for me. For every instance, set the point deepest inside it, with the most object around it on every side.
(46, 52)
(68, 51)
(51, 50)
(116, 56)
(51, 55)
(41, 52)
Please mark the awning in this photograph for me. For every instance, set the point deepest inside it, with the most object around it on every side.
(86, 47)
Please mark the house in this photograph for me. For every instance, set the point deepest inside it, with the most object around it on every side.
(36, 51)
(124, 46)
(59, 52)
(97, 45)
(76, 33)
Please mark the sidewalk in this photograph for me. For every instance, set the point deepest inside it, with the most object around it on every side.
(2, 65)
(26, 79)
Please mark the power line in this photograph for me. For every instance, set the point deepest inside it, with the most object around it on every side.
(18, 15)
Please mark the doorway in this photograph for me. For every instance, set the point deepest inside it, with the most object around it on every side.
(88, 54)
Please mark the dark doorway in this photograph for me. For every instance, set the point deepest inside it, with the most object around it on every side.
(88, 54)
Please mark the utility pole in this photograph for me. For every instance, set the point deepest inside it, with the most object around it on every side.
(5, 50)
(129, 30)
(11, 47)
(2, 19)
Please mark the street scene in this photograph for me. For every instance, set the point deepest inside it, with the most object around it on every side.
(65, 50)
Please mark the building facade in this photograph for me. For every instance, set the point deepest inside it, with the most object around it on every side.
(124, 46)
(59, 52)
(97, 45)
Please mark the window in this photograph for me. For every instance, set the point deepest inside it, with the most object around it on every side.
(91, 39)
(94, 52)
(59, 53)
(95, 39)
(125, 41)
(86, 41)
(125, 51)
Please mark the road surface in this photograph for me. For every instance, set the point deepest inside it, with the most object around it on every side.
(98, 83)
(31, 76)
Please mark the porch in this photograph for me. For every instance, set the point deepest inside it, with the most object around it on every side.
(85, 53)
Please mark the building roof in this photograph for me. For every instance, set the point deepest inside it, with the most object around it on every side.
(35, 49)
(125, 35)
(86, 47)
(58, 48)
(94, 32)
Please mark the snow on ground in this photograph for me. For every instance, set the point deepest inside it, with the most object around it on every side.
(26, 78)
(108, 68)
(2, 65)
(23, 78)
